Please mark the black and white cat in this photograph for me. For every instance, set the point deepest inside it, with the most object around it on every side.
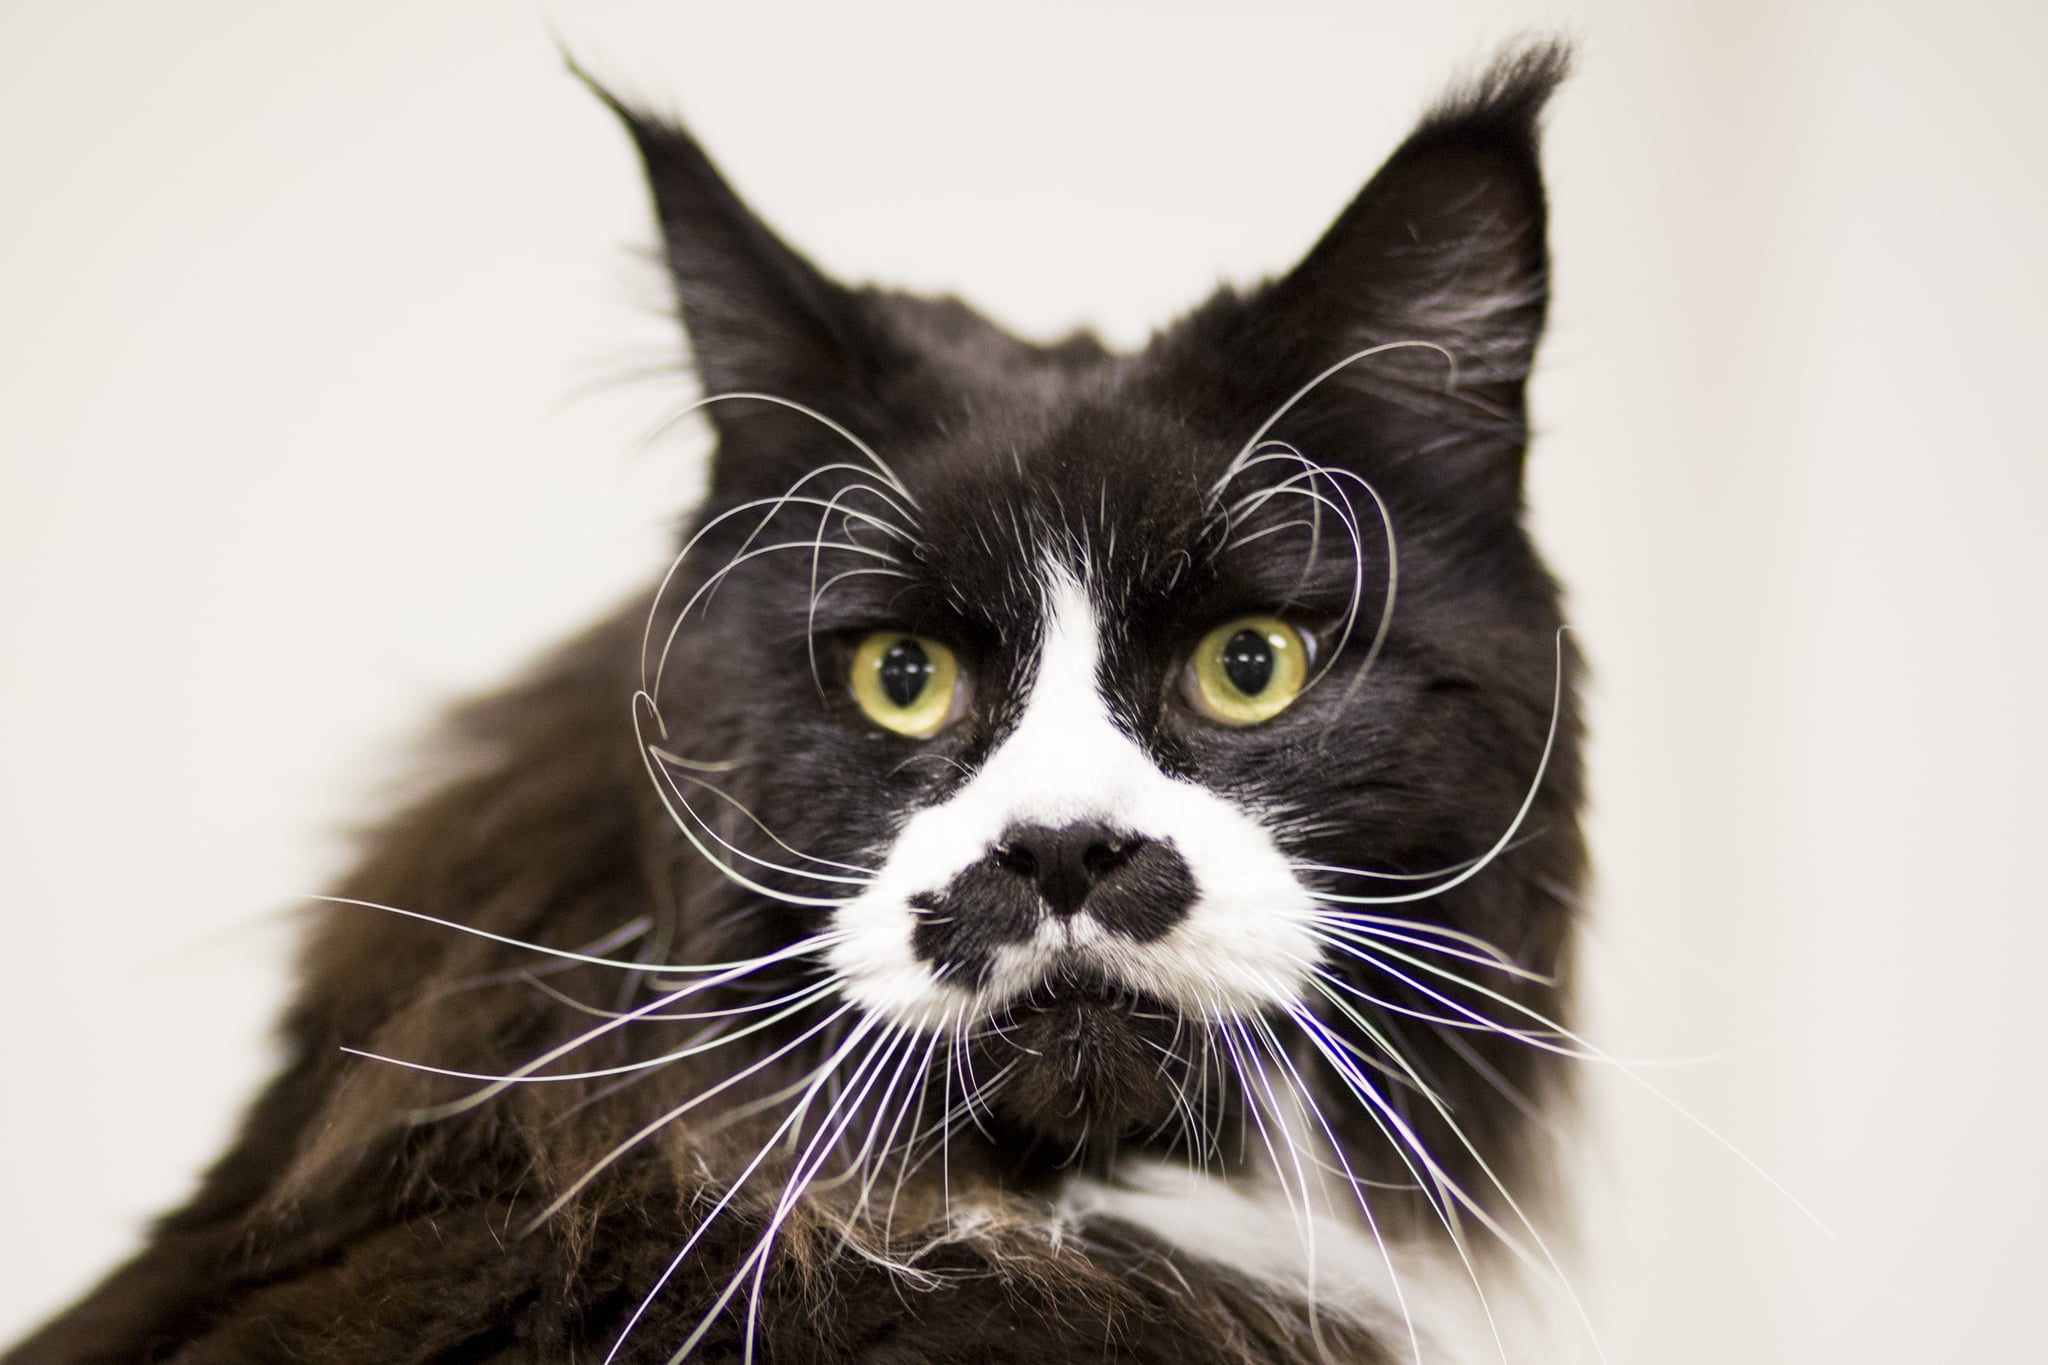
(1074, 861)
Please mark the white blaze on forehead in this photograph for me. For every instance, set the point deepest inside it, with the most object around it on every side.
(1243, 944)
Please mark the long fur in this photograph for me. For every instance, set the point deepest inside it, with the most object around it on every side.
(568, 1077)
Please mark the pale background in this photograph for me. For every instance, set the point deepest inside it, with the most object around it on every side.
(316, 332)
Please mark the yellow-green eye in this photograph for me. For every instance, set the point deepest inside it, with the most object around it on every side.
(906, 683)
(1247, 670)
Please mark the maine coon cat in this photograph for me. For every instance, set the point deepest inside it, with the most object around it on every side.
(1073, 861)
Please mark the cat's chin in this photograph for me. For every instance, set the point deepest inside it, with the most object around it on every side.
(1088, 1061)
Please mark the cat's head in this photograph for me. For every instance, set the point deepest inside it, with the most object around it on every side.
(1165, 745)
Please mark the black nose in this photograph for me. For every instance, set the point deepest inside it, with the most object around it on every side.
(1066, 863)
(1137, 888)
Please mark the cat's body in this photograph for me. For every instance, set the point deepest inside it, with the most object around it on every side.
(1073, 862)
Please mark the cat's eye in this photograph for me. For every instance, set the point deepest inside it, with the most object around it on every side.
(907, 683)
(1247, 670)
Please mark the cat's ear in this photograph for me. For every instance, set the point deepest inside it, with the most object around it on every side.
(760, 318)
(1442, 262)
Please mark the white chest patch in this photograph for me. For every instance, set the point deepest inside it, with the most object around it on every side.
(1243, 944)
(1423, 1303)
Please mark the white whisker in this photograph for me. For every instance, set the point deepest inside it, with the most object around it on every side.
(1304, 1101)
(881, 466)
(562, 997)
(709, 1040)
(819, 1150)
(1313, 1030)
(497, 1084)
(1485, 860)
(1251, 445)
(1338, 930)
(855, 874)
(863, 1024)
(677, 805)
(562, 954)
(774, 505)
(631, 930)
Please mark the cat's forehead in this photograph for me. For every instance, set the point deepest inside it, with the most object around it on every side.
(1113, 493)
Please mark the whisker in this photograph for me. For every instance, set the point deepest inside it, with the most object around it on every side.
(1588, 1051)
(745, 552)
(529, 1074)
(668, 757)
(1341, 508)
(860, 1165)
(775, 504)
(1433, 1189)
(1265, 450)
(906, 1165)
(1313, 1029)
(1373, 874)
(1338, 932)
(881, 465)
(862, 1026)
(860, 876)
(1386, 621)
(1513, 1094)
(1273, 530)
(1304, 1101)
(1536, 1038)
(563, 954)
(1473, 1023)
(671, 797)
(815, 1155)
(598, 1011)
(632, 930)
(811, 611)
(1251, 445)
(1485, 860)
(709, 587)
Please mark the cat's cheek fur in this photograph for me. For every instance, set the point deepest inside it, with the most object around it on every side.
(1243, 944)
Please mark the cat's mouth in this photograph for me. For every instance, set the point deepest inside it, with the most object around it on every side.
(1084, 1057)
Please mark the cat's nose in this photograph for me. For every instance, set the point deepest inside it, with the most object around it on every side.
(1066, 862)
(1134, 886)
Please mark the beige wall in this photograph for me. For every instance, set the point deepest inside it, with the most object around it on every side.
(308, 326)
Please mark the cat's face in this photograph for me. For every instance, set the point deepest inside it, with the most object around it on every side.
(1145, 731)
(1052, 758)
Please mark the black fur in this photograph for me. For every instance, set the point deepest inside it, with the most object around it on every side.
(354, 1220)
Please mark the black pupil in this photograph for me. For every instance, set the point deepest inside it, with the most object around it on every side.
(905, 671)
(1248, 662)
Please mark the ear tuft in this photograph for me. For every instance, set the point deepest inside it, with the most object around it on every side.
(1443, 258)
(760, 317)
(1504, 103)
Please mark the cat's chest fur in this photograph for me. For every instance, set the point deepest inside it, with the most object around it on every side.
(1418, 1295)
(1074, 860)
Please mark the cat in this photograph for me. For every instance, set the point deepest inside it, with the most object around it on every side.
(1074, 861)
